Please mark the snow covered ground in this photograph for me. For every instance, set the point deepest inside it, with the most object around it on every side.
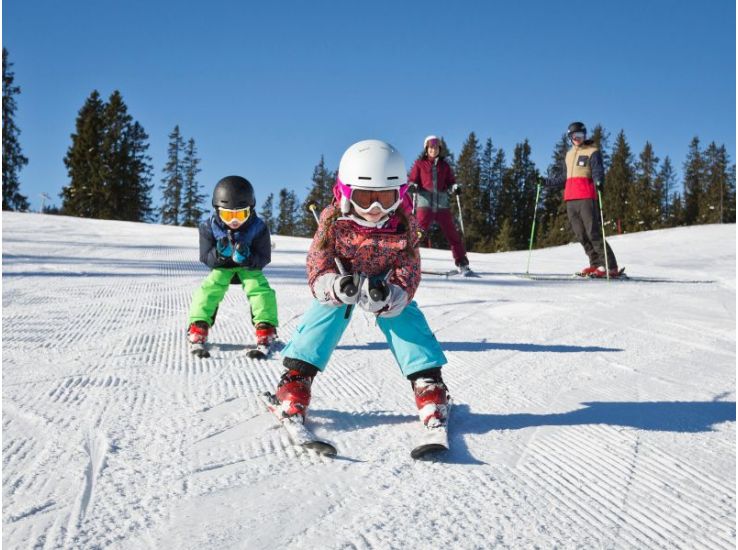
(587, 415)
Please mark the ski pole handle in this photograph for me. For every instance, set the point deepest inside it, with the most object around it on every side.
(313, 207)
(349, 288)
(378, 289)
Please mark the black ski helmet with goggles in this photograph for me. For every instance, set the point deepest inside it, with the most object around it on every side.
(576, 127)
(233, 193)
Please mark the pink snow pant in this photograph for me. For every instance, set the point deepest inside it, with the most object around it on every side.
(445, 221)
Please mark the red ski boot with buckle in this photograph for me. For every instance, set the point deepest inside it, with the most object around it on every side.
(293, 393)
(266, 337)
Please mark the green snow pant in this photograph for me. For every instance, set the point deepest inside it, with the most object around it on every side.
(262, 298)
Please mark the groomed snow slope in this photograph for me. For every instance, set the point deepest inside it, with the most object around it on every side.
(587, 415)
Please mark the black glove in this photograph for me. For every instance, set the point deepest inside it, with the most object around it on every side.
(456, 189)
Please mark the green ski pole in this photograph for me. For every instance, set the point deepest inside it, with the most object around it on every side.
(533, 228)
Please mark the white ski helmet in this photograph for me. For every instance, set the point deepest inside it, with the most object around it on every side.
(427, 139)
(372, 165)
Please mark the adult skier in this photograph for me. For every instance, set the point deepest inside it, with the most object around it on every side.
(582, 174)
(435, 180)
(235, 243)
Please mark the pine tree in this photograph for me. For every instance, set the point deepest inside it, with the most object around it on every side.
(473, 206)
(665, 181)
(497, 172)
(718, 185)
(320, 194)
(601, 139)
(288, 217)
(13, 159)
(108, 164)
(267, 213)
(84, 162)
(643, 202)
(173, 180)
(618, 181)
(488, 196)
(694, 182)
(553, 227)
(505, 240)
(128, 164)
(193, 202)
(518, 194)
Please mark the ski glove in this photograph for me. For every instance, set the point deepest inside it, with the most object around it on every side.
(456, 189)
(389, 303)
(346, 288)
(327, 289)
(223, 247)
(241, 254)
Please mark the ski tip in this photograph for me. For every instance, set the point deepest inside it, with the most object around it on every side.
(322, 448)
(200, 353)
(428, 450)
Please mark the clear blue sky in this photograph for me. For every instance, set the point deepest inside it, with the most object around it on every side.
(265, 88)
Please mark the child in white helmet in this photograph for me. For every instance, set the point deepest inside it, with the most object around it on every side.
(364, 254)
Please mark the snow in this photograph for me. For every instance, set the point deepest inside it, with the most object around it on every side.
(586, 414)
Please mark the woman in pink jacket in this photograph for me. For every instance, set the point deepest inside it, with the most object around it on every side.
(435, 180)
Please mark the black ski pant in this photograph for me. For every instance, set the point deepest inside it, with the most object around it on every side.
(584, 217)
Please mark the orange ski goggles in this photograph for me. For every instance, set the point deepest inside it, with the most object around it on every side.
(241, 215)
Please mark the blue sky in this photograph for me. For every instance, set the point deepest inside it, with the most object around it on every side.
(266, 88)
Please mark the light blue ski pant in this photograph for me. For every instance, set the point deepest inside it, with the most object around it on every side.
(410, 338)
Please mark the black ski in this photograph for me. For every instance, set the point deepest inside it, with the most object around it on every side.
(199, 350)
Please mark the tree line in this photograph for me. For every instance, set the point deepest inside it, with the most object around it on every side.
(110, 177)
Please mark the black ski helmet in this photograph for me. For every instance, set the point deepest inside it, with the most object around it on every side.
(233, 193)
(576, 127)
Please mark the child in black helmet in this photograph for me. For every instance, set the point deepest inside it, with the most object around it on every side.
(235, 243)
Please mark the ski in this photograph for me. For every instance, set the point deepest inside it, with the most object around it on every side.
(199, 350)
(432, 440)
(446, 274)
(620, 274)
(451, 273)
(299, 435)
(262, 352)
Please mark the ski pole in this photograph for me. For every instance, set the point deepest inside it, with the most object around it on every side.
(533, 228)
(350, 289)
(604, 241)
(461, 219)
(313, 207)
(414, 187)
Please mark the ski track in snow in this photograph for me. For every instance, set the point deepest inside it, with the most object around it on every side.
(586, 415)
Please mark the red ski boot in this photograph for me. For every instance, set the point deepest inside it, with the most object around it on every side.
(266, 334)
(431, 397)
(197, 333)
(293, 393)
(588, 271)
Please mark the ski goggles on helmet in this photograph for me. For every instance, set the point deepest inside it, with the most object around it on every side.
(366, 198)
(228, 216)
(432, 143)
(577, 135)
